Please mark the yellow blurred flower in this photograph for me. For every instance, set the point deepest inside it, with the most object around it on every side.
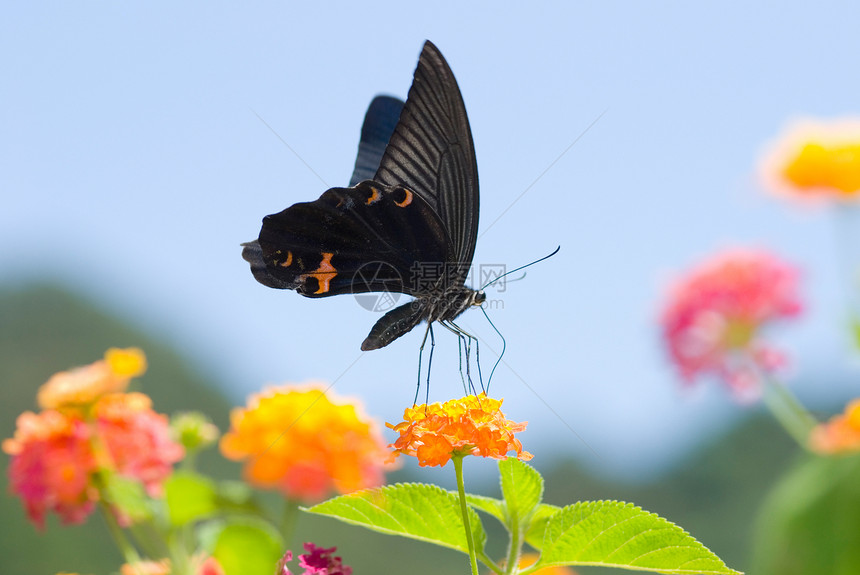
(839, 435)
(200, 565)
(472, 425)
(161, 567)
(305, 442)
(129, 362)
(83, 385)
(529, 559)
(814, 158)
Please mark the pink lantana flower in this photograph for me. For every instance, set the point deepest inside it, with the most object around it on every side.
(137, 438)
(52, 463)
(317, 561)
(714, 315)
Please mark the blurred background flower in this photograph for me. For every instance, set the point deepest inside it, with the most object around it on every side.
(58, 454)
(316, 561)
(305, 442)
(137, 440)
(815, 159)
(839, 435)
(52, 466)
(713, 317)
(83, 385)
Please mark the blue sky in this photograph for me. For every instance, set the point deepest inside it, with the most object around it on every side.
(133, 164)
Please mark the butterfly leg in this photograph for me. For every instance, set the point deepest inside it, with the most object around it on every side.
(465, 339)
(472, 338)
(429, 331)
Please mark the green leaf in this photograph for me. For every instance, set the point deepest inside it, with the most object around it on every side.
(490, 505)
(248, 547)
(522, 489)
(127, 495)
(810, 522)
(189, 496)
(414, 510)
(615, 534)
(538, 523)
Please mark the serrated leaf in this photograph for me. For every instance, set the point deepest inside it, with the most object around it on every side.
(522, 489)
(189, 497)
(248, 547)
(414, 510)
(538, 523)
(616, 534)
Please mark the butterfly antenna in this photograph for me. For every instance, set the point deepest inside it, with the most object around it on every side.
(522, 277)
(491, 282)
(504, 345)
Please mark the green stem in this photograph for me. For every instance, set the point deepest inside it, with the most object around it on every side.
(796, 420)
(289, 518)
(514, 548)
(128, 551)
(464, 509)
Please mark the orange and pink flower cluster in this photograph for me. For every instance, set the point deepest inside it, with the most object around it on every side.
(89, 426)
(714, 316)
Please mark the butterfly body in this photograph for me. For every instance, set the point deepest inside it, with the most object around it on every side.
(408, 224)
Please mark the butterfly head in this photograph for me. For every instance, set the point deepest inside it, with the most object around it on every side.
(479, 298)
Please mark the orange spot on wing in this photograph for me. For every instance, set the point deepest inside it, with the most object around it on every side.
(406, 201)
(325, 273)
(374, 196)
(286, 263)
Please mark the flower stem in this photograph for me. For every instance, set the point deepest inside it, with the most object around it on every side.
(128, 551)
(464, 509)
(288, 519)
(789, 412)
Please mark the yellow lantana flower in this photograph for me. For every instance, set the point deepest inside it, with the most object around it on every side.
(305, 442)
(815, 158)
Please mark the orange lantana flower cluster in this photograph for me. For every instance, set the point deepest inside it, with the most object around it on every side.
(305, 442)
(472, 425)
(839, 435)
(88, 426)
(816, 158)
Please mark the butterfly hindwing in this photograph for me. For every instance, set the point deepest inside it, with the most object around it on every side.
(351, 240)
(431, 152)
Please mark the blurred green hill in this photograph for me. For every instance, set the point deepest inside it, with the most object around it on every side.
(715, 495)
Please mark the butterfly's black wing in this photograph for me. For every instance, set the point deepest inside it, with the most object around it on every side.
(379, 123)
(366, 238)
(431, 152)
(421, 208)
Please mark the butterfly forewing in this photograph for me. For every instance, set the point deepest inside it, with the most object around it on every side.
(431, 152)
